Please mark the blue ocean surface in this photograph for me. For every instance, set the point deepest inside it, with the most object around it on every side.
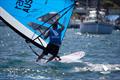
(101, 60)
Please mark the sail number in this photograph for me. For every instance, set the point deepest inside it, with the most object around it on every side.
(24, 5)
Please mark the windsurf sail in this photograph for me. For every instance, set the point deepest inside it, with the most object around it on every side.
(32, 18)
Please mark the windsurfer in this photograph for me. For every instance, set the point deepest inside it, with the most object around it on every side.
(54, 34)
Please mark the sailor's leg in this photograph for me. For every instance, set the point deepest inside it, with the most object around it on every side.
(40, 57)
(45, 52)
(51, 58)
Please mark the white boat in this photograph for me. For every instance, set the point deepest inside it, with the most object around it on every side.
(95, 24)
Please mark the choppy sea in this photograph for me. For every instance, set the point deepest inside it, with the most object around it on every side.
(101, 60)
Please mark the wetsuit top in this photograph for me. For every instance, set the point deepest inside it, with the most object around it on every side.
(55, 37)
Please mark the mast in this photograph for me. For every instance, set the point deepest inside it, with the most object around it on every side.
(87, 7)
(98, 9)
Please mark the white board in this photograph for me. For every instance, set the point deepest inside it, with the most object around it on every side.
(73, 57)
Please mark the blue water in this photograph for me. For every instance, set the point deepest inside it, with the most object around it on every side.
(101, 60)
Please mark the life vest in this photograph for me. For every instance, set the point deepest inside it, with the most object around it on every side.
(55, 37)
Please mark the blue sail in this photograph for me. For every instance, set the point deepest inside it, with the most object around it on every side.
(32, 18)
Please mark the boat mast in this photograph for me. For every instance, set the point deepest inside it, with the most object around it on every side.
(98, 9)
(87, 7)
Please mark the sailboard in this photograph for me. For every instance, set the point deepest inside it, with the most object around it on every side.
(73, 57)
(32, 18)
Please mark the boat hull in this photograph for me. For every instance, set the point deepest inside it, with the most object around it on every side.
(96, 28)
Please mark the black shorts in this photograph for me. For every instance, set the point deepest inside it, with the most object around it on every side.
(52, 49)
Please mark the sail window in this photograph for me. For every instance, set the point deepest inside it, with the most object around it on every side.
(49, 17)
